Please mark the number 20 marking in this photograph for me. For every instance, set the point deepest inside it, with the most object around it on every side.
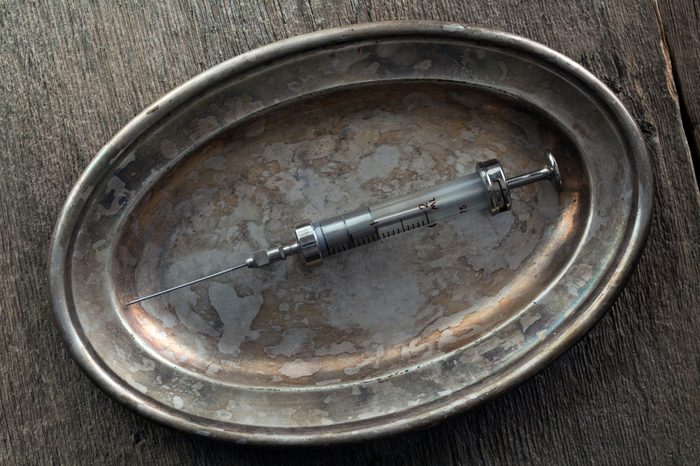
(431, 204)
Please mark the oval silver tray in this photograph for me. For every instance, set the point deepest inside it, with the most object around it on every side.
(383, 338)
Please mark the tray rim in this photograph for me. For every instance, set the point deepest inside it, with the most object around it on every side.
(592, 309)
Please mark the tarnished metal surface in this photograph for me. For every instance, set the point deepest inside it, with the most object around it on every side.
(385, 337)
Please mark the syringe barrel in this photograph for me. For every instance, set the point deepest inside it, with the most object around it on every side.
(428, 206)
(423, 208)
(488, 187)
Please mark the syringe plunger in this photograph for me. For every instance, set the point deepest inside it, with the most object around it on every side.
(488, 188)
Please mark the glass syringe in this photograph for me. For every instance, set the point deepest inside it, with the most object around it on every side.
(488, 188)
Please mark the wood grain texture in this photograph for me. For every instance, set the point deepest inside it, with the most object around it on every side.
(680, 25)
(74, 72)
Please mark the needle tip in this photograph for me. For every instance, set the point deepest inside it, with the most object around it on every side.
(143, 298)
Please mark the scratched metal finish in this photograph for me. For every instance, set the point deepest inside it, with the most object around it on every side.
(372, 310)
(381, 338)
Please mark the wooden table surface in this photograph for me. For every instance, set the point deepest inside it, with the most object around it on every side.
(74, 72)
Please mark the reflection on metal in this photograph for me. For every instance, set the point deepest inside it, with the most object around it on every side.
(383, 338)
(408, 213)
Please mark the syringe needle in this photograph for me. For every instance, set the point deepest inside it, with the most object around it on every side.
(143, 298)
(488, 188)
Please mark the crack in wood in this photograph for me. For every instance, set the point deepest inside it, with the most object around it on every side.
(674, 84)
(73, 74)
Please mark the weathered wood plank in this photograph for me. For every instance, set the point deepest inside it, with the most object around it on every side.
(74, 72)
(680, 22)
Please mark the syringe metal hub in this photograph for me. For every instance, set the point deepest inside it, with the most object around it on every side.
(487, 188)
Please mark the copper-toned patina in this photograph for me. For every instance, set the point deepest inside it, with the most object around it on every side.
(386, 337)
